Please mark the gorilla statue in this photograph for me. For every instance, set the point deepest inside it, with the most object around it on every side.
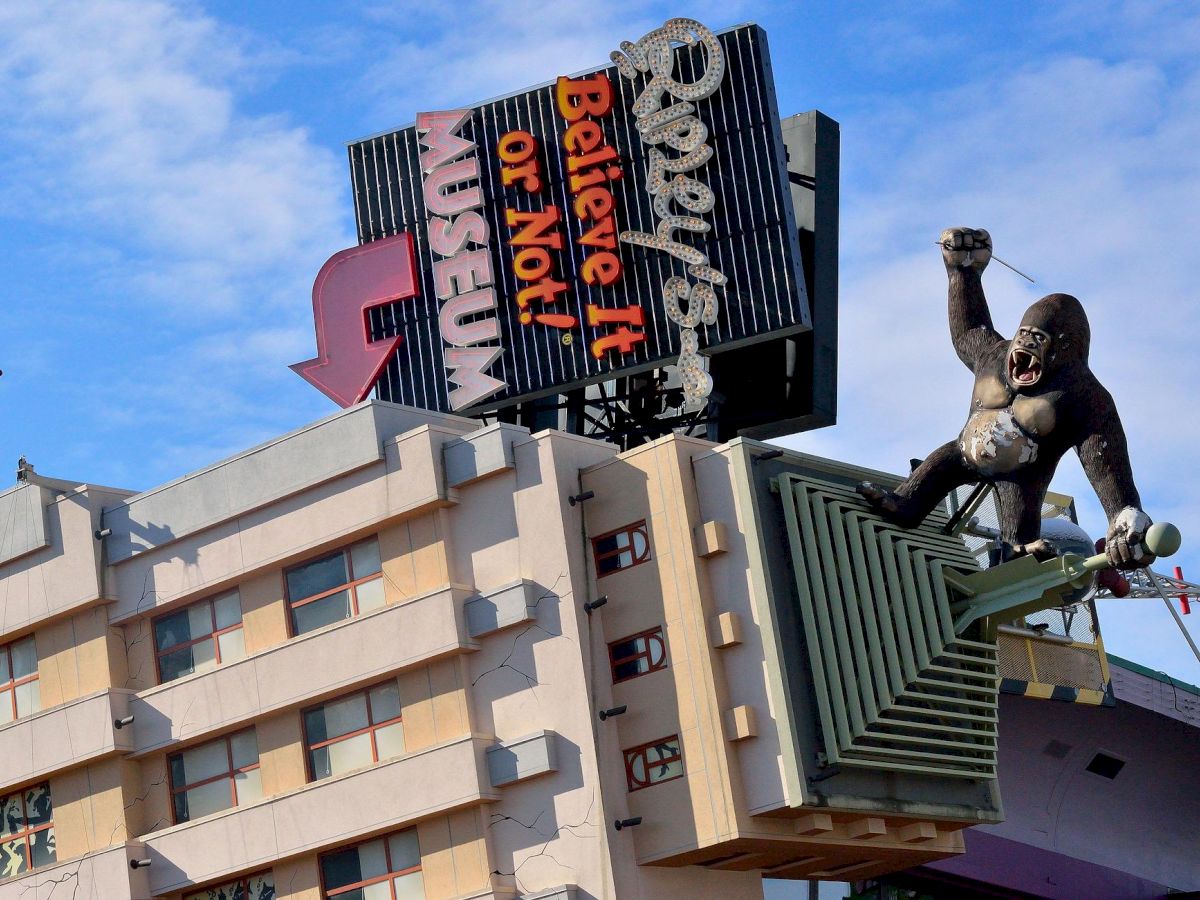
(1034, 398)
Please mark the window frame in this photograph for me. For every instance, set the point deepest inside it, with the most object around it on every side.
(242, 881)
(371, 728)
(388, 877)
(212, 635)
(230, 773)
(597, 556)
(351, 585)
(13, 683)
(25, 834)
(632, 753)
(656, 633)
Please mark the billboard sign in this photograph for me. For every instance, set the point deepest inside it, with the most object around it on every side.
(628, 218)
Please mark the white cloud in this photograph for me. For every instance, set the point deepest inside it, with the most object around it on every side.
(181, 225)
(467, 52)
(127, 121)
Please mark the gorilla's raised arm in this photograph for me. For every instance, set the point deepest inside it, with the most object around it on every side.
(966, 252)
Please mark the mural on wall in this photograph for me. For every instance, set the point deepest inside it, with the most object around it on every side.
(1034, 399)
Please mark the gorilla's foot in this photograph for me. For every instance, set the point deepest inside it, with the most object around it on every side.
(888, 504)
(1039, 550)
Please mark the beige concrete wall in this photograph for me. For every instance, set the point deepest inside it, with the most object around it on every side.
(89, 806)
(655, 483)
(103, 874)
(303, 670)
(454, 856)
(414, 558)
(526, 678)
(79, 655)
(62, 737)
(414, 564)
(327, 813)
(281, 752)
(454, 861)
(150, 805)
(264, 611)
(298, 879)
(736, 589)
(457, 693)
(407, 482)
(61, 577)
(435, 710)
(433, 702)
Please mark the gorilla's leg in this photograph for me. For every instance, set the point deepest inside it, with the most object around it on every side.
(915, 497)
(1019, 510)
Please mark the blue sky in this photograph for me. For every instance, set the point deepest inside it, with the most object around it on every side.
(175, 175)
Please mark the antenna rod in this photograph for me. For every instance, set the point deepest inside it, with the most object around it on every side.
(1014, 268)
(997, 259)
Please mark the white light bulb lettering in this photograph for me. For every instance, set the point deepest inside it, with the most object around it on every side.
(688, 304)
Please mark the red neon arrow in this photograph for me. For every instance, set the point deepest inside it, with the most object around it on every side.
(351, 282)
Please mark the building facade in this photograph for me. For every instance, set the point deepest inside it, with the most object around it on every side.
(396, 654)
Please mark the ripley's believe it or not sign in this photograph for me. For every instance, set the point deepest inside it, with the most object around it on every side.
(632, 217)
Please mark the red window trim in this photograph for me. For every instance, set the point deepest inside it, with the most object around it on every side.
(351, 585)
(629, 529)
(242, 881)
(212, 635)
(655, 633)
(632, 753)
(12, 683)
(387, 876)
(230, 773)
(371, 728)
(25, 834)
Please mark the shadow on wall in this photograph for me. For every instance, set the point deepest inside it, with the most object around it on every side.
(507, 664)
(532, 820)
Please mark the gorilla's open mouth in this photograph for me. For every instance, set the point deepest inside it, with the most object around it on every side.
(1024, 368)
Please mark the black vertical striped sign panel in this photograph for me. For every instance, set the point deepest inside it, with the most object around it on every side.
(751, 238)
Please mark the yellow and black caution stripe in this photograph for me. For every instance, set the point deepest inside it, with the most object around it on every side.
(1039, 691)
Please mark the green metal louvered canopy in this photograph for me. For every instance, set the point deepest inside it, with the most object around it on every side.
(896, 687)
(900, 624)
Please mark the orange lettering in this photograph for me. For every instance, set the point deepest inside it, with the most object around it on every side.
(594, 203)
(554, 320)
(622, 339)
(602, 235)
(578, 97)
(604, 154)
(516, 147)
(531, 264)
(631, 315)
(603, 267)
(537, 228)
(593, 176)
(528, 174)
(546, 290)
(583, 137)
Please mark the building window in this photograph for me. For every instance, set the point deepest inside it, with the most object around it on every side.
(387, 868)
(19, 695)
(621, 549)
(335, 587)
(199, 637)
(249, 887)
(653, 763)
(26, 830)
(353, 732)
(215, 776)
(637, 655)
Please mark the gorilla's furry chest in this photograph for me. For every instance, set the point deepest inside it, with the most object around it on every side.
(1005, 431)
